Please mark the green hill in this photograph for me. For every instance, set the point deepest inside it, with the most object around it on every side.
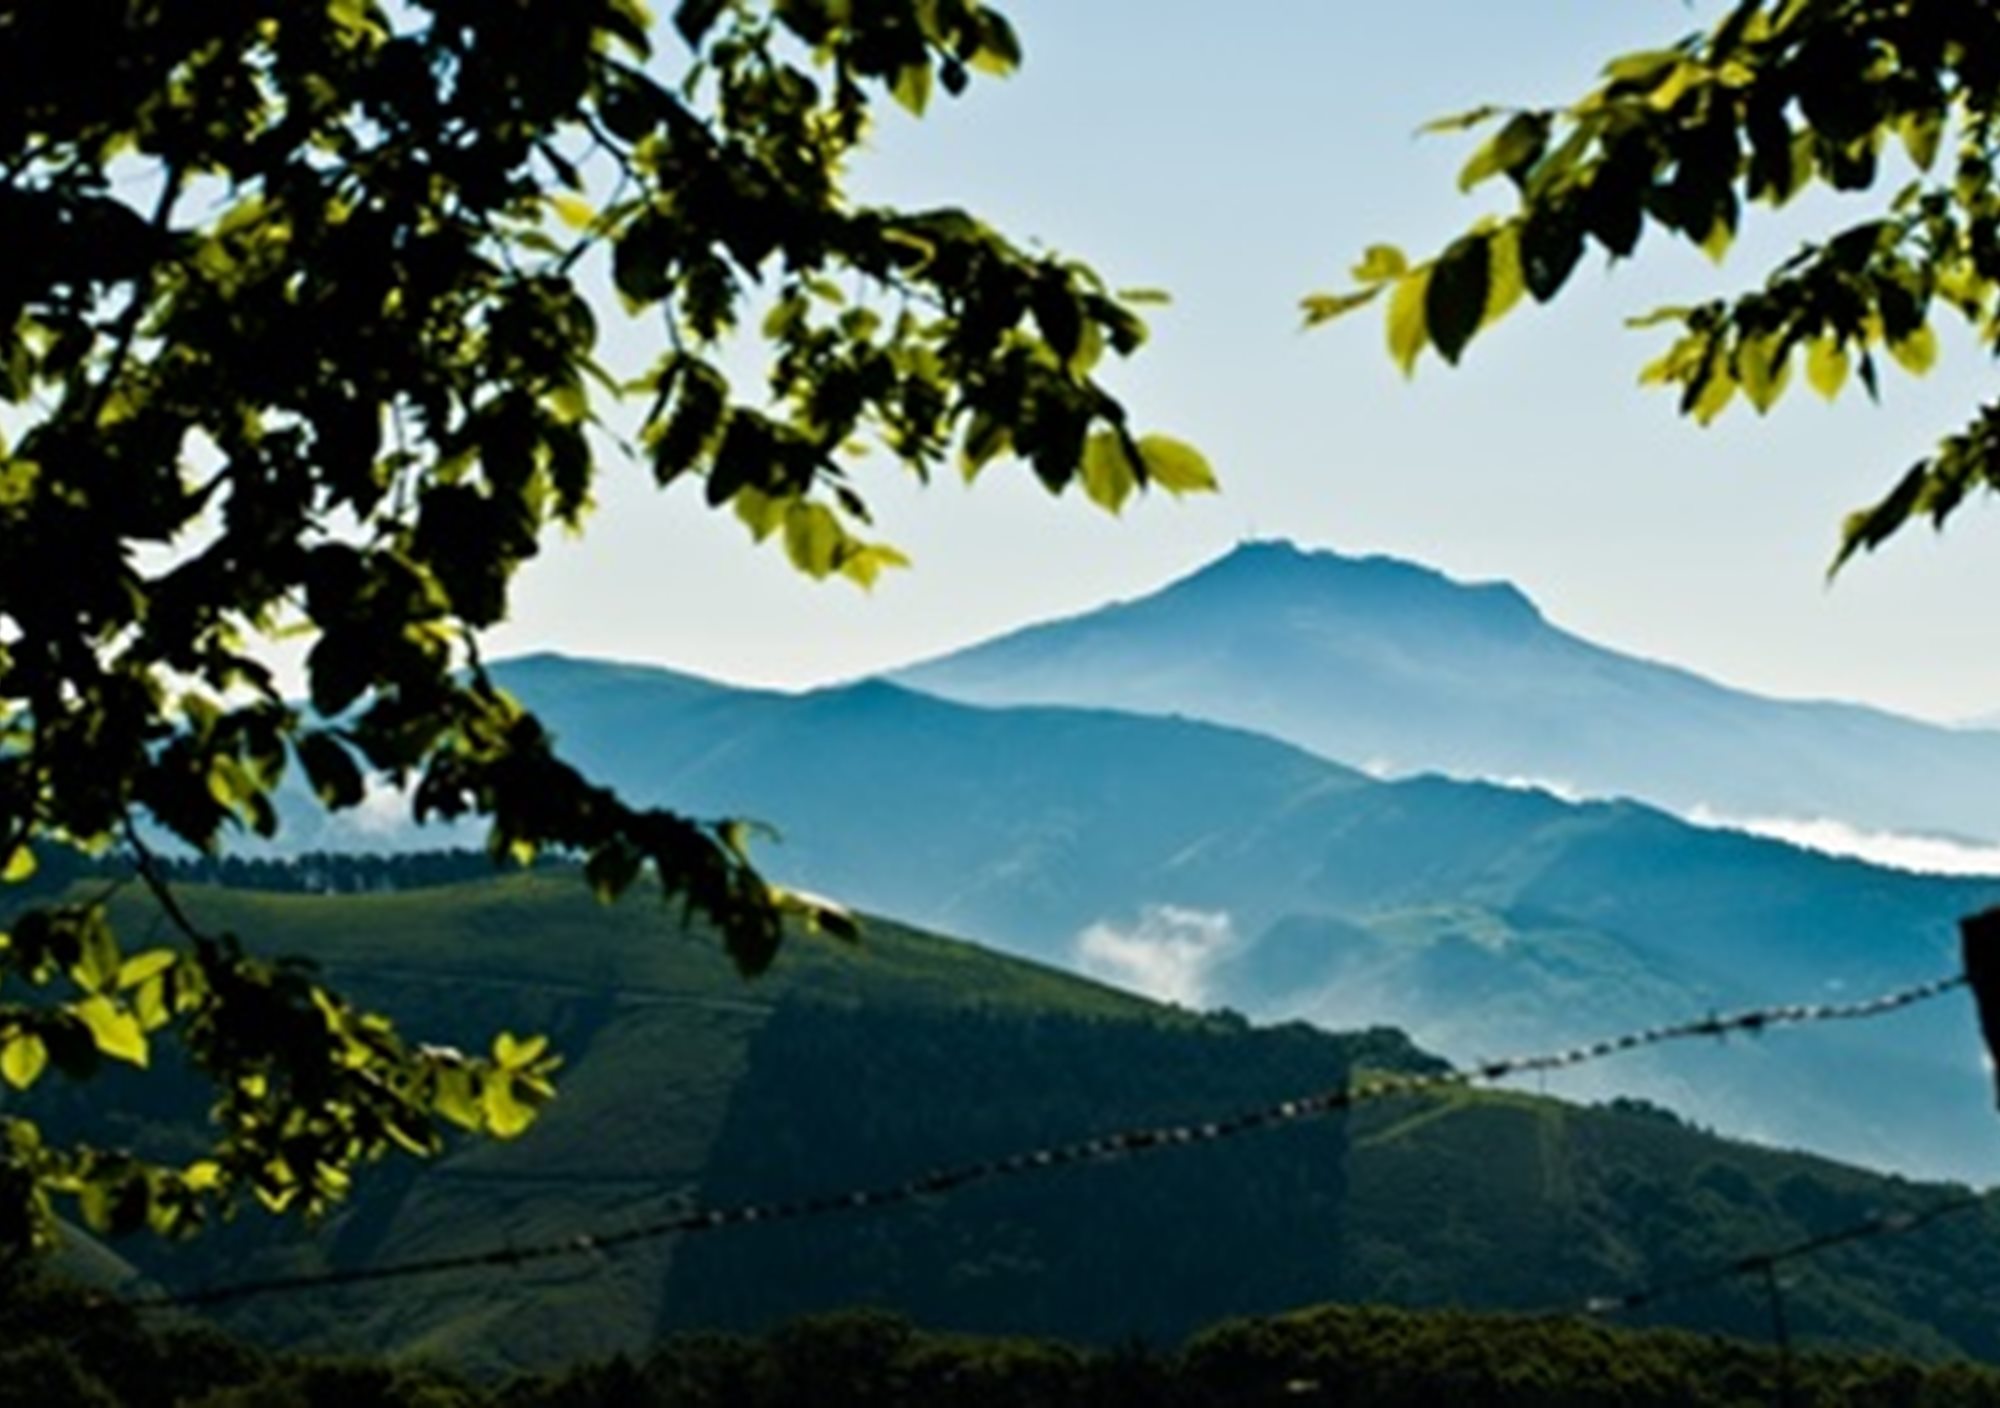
(857, 1067)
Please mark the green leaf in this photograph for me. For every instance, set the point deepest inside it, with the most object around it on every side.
(142, 966)
(454, 1097)
(999, 51)
(22, 1059)
(20, 866)
(867, 562)
(1324, 307)
(1921, 132)
(1175, 466)
(1644, 68)
(1510, 151)
(1455, 300)
(1407, 326)
(1551, 242)
(514, 1053)
(1506, 281)
(1107, 473)
(612, 868)
(1763, 379)
(335, 778)
(574, 211)
(1712, 395)
(507, 1115)
(1720, 237)
(912, 87)
(97, 962)
(1460, 121)
(116, 1031)
(1918, 352)
(1381, 263)
(1826, 365)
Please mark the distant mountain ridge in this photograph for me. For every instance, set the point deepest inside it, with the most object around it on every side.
(1385, 664)
(1222, 867)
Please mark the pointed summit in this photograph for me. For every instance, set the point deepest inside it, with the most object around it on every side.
(1393, 666)
(1323, 579)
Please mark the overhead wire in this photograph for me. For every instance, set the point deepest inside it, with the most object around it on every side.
(1103, 1148)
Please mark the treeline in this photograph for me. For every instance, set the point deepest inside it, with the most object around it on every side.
(313, 873)
(64, 1347)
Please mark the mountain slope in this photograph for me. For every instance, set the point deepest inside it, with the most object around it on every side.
(1067, 834)
(852, 1068)
(1386, 663)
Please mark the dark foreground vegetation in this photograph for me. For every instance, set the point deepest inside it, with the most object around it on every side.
(61, 1347)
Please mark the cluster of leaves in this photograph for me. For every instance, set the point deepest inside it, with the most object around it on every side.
(307, 1086)
(294, 341)
(1779, 96)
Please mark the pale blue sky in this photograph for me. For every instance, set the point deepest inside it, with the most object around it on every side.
(1240, 155)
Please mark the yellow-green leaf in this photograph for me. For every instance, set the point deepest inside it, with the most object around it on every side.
(1720, 237)
(1826, 366)
(97, 964)
(506, 1114)
(573, 211)
(865, 564)
(1763, 379)
(515, 1053)
(1177, 467)
(1715, 394)
(1505, 283)
(22, 1059)
(760, 512)
(20, 866)
(1408, 330)
(1107, 473)
(1460, 121)
(454, 1097)
(912, 87)
(1920, 132)
(814, 538)
(141, 966)
(1325, 307)
(1380, 263)
(116, 1031)
(1918, 352)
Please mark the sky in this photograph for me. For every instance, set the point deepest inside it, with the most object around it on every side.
(1239, 156)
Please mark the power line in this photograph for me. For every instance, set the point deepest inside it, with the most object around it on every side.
(1766, 1262)
(1116, 1145)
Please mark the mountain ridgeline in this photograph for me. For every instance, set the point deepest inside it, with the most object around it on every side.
(1216, 865)
(1483, 919)
(1382, 662)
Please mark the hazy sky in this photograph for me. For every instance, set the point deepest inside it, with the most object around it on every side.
(1240, 155)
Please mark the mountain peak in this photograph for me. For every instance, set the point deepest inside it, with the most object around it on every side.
(1374, 584)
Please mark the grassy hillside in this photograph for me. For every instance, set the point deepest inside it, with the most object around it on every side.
(852, 1067)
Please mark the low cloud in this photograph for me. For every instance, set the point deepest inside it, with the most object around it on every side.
(1923, 855)
(1167, 955)
(384, 808)
(1553, 786)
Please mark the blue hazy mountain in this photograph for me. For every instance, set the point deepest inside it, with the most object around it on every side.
(1383, 663)
(1484, 919)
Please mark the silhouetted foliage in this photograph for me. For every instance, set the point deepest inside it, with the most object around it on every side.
(298, 339)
